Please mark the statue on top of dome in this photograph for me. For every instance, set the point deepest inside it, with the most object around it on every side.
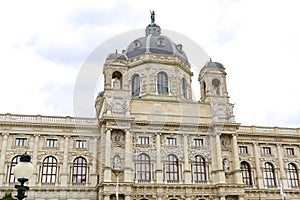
(152, 16)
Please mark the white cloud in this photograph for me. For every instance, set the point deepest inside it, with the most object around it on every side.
(43, 44)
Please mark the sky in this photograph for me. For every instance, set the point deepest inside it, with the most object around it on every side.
(44, 45)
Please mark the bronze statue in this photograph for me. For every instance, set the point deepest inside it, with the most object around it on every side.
(152, 16)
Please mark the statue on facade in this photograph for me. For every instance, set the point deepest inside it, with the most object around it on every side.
(117, 165)
(226, 165)
(152, 16)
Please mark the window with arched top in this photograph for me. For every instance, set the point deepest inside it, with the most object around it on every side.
(199, 169)
(184, 88)
(13, 163)
(216, 86)
(171, 168)
(292, 175)
(49, 170)
(135, 85)
(116, 80)
(269, 175)
(143, 168)
(162, 83)
(79, 172)
(246, 173)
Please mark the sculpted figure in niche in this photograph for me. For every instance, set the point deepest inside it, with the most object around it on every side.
(226, 165)
(117, 165)
(117, 84)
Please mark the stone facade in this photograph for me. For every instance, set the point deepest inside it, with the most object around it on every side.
(150, 140)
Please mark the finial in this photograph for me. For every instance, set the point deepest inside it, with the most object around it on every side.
(210, 60)
(152, 16)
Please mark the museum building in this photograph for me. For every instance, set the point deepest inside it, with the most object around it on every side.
(150, 140)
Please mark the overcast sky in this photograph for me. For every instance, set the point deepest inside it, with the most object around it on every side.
(44, 44)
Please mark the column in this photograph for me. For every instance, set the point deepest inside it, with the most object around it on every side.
(282, 175)
(107, 169)
(236, 162)
(127, 197)
(2, 159)
(260, 181)
(128, 158)
(64, 173)
(187, 167)
(218, 169)
(94, 174)
(106, 197)
(159, 172)
(35, 177)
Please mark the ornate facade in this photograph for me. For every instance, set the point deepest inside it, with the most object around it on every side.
(150, 140)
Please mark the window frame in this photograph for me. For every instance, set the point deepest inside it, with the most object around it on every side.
(266, 150)
(21, 142)
(80, 144)
(199, 169)
(143, 140)
(171, 141)
(162, 83)
(135, 85)
(49, 165)
(143, 168)
(269, 175)
(171, 168)
(79, 170)
(292, 175)
(14, 161)
(51, 143)
(243, 149)
(246, 173)
(198, 142)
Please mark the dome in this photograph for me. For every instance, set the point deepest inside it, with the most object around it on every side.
(212, 64)
(154, 43)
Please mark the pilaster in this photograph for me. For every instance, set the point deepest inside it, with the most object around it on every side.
(64, 174)
(128, 158)
(282, 175)
(159, 172)
(187, 168)
(107, 170)
(236, 162)
(34, 160)
(2, 158)
(260, 181)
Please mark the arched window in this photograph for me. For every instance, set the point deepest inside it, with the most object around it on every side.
(199, 169)
(117, 80)
(135, 85)
(184, 88)
(216, 86)
(269, 175)
(171, 168)
(143, 168)
(13, 163)
(246, 173)
(79, 170)
(49, 170)
(162, 83)
(292, 174)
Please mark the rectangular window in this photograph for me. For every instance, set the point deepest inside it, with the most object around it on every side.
(21, 142)
(51, 142)
(266, 150)
(81, 144)
(243, 150)
(290, 151)
(143, 140)
(171, 141)
(198, 142)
